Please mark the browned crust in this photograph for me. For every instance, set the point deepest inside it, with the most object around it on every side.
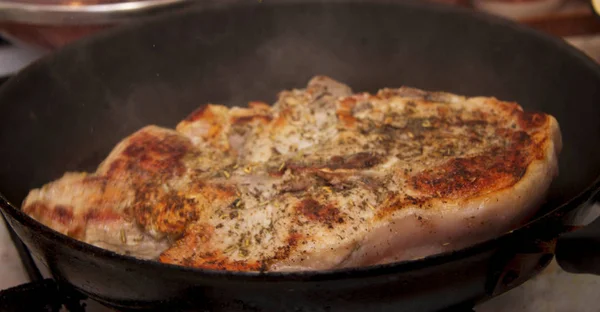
(191, 250)
(168, 212)
(62, 218)
(472, 176)
(532, 120)
(151, 157)
(344, 112)
(468, 177)
(313, 210)
(194, 250)
(60, 214)
(241, 120)
(201, 112)
(362, 160)
(171, 211)
(286, 250)
(208, 113)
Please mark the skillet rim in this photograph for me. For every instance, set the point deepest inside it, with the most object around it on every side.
(12, 213)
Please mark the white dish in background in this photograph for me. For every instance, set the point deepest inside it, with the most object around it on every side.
(51, 24)
(517, 9)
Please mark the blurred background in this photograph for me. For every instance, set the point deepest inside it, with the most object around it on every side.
(39, 26)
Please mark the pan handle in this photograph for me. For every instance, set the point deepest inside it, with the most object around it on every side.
(41, 295)
(579, 251)
(45, 295)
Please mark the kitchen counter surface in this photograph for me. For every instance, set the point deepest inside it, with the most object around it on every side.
(11, 270)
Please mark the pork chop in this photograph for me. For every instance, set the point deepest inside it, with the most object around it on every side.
(322, 179)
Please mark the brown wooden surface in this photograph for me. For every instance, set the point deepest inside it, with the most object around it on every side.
(566, 25)
(574, 18)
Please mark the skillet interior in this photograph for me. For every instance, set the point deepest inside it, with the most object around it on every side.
(67, 111)
(93, 94)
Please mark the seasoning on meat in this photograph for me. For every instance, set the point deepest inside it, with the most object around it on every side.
(322, 179)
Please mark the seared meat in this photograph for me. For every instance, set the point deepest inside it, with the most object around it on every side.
(322, 179)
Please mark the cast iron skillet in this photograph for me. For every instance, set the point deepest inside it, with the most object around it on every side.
(68, 110)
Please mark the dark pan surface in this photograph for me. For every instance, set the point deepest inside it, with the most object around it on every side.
(67, 111)
(162, 73)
